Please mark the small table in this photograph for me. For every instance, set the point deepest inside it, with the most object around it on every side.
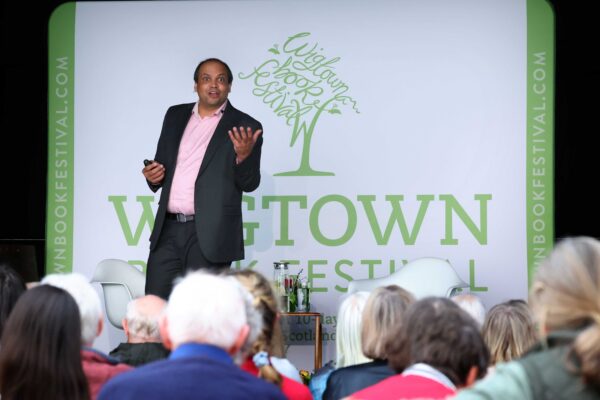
(318, 333)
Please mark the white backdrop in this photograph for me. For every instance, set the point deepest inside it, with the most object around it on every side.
(423, 111)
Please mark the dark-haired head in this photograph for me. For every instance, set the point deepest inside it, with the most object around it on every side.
(437, 332)
(11, 288)
(229, 73)
(40, 357)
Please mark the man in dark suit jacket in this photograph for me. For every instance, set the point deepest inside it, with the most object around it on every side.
(207, 155)
(205, 326)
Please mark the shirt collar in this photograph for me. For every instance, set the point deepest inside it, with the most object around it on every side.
(199, 349)
(217, 113)
(427, 371)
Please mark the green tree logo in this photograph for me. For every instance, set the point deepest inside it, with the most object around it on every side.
(299, 84)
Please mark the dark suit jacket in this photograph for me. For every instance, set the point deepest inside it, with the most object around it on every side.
(219, 185)
(345, 381)
(136, 354)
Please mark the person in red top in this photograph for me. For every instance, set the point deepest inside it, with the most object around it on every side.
(291, 389)
(441, 344)
(97, 367)
(259, 362)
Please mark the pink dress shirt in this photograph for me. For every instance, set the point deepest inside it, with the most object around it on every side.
(195, 139)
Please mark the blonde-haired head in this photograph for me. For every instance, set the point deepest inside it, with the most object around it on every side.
(566, 295)
(508, 331)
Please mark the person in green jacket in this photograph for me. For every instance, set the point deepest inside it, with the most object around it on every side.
(565, 364)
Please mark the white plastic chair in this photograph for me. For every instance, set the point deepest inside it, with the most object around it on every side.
(427, 276)
(121, 282)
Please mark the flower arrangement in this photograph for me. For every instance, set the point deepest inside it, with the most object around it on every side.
(291, 287)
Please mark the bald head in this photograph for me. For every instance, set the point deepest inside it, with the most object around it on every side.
(141, 322)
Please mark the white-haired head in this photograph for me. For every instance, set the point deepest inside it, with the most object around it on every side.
(142, 318)
(87, 299)
(209, 309)
(472, 305)
(348, 330)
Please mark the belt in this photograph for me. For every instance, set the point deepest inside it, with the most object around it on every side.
(180, 217)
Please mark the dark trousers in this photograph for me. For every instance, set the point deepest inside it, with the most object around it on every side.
(176, 253)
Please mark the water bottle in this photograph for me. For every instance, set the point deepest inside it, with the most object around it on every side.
(277, 278)
(300, 298)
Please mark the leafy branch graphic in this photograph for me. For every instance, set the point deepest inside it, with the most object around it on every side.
(299, 84)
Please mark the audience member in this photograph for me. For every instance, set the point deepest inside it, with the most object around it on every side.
(565, 301)
(443, 348)
(472, 305)
(382, 317)
(205, 325)
(98, 367)
(11, 287)
(508, 331)
(259, 361)
(347, 343)
(143, 336)
(39, 358)
(277, 341)
(350, 321)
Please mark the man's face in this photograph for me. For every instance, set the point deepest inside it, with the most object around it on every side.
(212, 86)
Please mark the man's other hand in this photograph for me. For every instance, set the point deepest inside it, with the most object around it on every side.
(243, 140)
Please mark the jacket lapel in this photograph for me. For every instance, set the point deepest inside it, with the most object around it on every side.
(182, 123)
(171, 156)
(219, 137)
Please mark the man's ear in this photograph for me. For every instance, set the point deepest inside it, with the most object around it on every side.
(163, 327)
(471, 376)
(240, 341)
(125, 326)
(100, 326)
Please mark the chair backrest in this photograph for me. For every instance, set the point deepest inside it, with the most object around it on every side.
(121, 282)
(427, 276)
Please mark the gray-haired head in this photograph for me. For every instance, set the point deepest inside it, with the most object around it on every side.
(87, 299)
(141, 323)
(209, 309)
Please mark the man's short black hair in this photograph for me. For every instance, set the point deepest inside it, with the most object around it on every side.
(223, 63)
